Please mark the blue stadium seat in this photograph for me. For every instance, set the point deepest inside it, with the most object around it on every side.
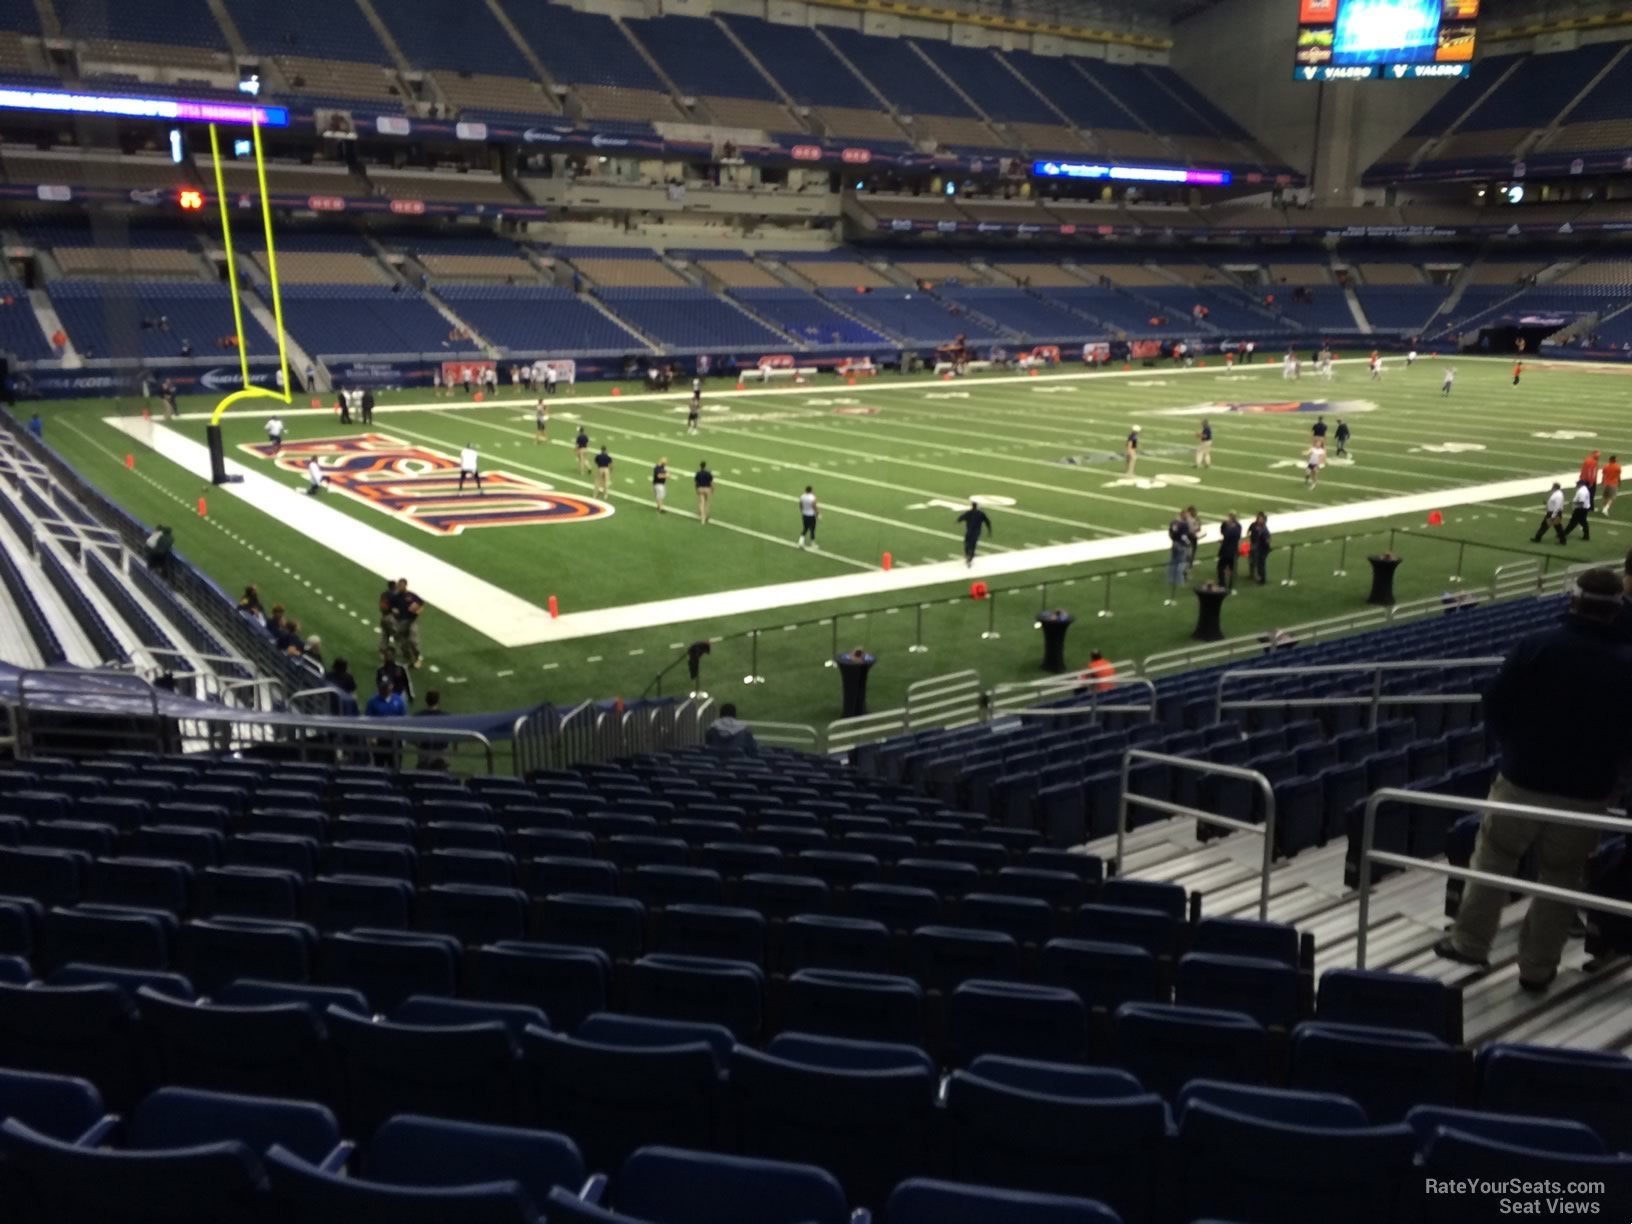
(345, 902)
(1025, 919)
(320, 1197)
(473, 914)
(1168, 1046)
(465, 1071)
(1391, 1001)
(51, 877)
(899, 907)
(1061, 1130)
(922, 1200)
(702, 989)
(248, 892)
(860, 1006)
(946, 877)
(780, 895)
(122, 940)
(1580, 1085)
(722, 932)
(866, 1121)
(276, 851)
(1169, 899)
(79, 973)
(568, 984)
(656, 885)
(819, 941)
(218, 1183)
(1152, 930)
(1266, 990)
(1275, 941)
(359, 856)
(87, 1031)
(1548, 1134)
(186, 1118)
(410, 1150)
(550, 874)
(615, 925)
(481, 867)
(60, 1107)
(1233, 1165)
(1455, 1155)
(1104, 975)
(1387, 1071)
(385, 967)
(614, 1098)
(272, 1049)
(942, 957)
(1042, 1022)
(672, 1186)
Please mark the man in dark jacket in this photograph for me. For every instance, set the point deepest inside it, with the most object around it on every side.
(731, 734)
(1551, 757)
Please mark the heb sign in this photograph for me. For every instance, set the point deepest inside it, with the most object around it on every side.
(326, 203)
(806, 153)
(408, 208)
(856, 157)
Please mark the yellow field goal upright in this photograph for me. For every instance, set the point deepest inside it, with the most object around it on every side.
(281, 391)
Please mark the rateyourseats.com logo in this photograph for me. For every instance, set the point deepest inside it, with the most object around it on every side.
(1519, 1197)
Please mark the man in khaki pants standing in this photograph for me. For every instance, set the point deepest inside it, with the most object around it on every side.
(1550, 758)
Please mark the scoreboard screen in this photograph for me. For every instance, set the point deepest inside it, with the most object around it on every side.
(1389, 40)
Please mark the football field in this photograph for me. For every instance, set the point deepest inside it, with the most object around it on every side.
(893, 460)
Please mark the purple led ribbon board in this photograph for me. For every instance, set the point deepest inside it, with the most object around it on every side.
(1129, 174)
(124, 106)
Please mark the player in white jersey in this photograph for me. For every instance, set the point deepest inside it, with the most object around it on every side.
(1289, 366)
(1450, 377)
(1317, 456)
(1411, 359)
(808, 513)
(1325, 366)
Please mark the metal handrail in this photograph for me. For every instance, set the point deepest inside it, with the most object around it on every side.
(1097, 703)
(800, 736)
(1265, 830)
(1375, 699)
(1530, 888)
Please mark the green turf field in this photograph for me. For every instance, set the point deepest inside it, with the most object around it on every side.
(1046, 452)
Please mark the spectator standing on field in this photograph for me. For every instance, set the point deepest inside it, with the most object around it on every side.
(1229, 551)
(1578, 514)
(1549, 761)
(406, 608)
(1258, 538)
(704, 480)
(809, 512)
(1552, 516)
(1178, 555)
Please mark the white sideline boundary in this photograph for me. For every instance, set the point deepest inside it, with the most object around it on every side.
(512, 621)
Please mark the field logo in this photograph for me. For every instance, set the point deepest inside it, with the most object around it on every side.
(1147, 483)
(1448, 448)
(942, 503)
(421, 486)
(1565, 435)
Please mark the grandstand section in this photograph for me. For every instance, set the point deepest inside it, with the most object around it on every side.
(807, 631)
